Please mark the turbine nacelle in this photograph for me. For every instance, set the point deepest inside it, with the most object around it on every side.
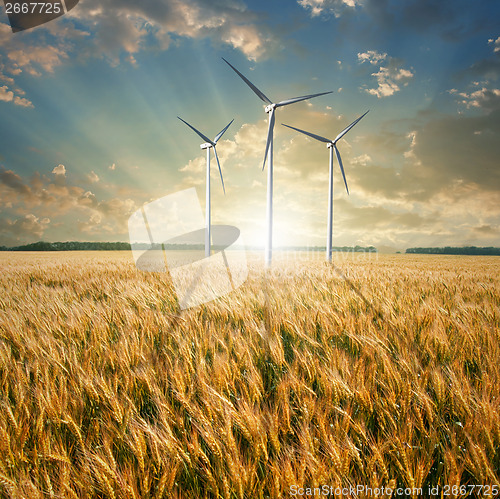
(206, 145)
(270, 108)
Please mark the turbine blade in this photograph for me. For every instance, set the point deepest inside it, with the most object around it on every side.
(204, 137)
(314, 136)
(298, 99)
(339, 159)
(260, 94)
(220, 171)
(269, 135)
(221, 133)
(345, 130)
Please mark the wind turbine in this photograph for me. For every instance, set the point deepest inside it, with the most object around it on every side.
(332, 145)
(270, 109)
(209, 144)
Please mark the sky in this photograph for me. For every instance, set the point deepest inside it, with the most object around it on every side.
(89, 130)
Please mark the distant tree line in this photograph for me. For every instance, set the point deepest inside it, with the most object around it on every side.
(347, 249)
(69, 246)
(98, 246)
(448, 250)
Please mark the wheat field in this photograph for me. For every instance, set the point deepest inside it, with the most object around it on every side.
(379, 371)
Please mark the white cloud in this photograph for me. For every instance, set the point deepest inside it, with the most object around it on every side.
(249, 40)
(196, 165)
(5, 94)
(34, 58)
(335, 7)
(363, 159)
(371, 56)
(21, 101)
(7, 79)
(482, 98)
(495, 43)
(93, 177)
(59, 170)
(389, 77)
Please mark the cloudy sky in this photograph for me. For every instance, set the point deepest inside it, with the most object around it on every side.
(89, 129)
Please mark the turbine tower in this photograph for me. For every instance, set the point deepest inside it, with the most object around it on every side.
(332, 145)
(209, 144)
(270, 109)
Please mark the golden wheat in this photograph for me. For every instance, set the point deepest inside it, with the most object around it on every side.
(378, 371)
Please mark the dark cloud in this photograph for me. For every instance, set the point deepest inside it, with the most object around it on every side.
(125, 26)
(28, 228)
(42, 199)
(461, 148)
(379, 217)
(487, 230)
(453, 20)
(443, 155)
(13, 181)
(485, 69)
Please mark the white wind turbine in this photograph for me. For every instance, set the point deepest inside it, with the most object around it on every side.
(331, 144)
(209, 144)
(270, 109)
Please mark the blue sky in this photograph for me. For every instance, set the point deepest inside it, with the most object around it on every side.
(89, 130)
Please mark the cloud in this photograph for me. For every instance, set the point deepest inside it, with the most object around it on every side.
(381, 217)
(59, 170)
(128, 27)
(482, 98)
(450, 165)
(249, 40)
(443, 18)
(19, 55)
(13, 181)
(7, 95)
(36, 58)
(28, 228)
(487, 69)
(452, 148)
(93, 177)
(196, 165)
(363, 159)
(389, 77)
(21, 101)
(482, 93)
(371, 56)
(118, 30)
(29, 208)
(335, 7)
(488, 230)
(495, 43)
